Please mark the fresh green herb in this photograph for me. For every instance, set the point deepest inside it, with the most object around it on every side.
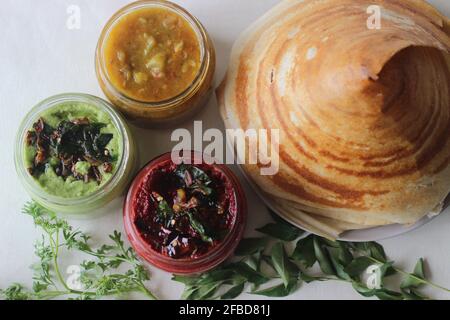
(98, 276)
(251, 246)
(231, 277)
(278, 291)
(280, 261)
(264, 262)
(250, 273)
(304, 252)
(358, 266)
(281, 230)
(416, 279)
(234, 292)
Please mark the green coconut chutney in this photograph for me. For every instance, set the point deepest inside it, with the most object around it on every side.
(71, 187)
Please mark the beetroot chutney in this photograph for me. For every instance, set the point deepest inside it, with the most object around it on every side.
(185, 218)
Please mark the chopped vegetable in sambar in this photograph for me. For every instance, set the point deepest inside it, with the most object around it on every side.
(152, 54)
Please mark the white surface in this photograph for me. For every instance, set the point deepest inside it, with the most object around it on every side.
(40, 57)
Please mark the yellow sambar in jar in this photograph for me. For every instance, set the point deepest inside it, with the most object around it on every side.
(152, 54)
(155, 62)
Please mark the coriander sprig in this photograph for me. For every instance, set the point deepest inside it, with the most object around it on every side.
(271, 262)
(99, 276)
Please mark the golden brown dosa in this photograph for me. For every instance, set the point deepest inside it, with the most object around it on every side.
(364, 114)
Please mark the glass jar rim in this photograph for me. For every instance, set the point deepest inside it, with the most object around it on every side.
(232, 238)
(202, 37)
(52, 102)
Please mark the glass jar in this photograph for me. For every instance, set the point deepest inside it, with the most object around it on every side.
(186, 266)
(112, 188)
(173, 110)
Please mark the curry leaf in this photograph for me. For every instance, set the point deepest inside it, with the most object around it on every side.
(251, 246)
(308, 278)
(278, 291)
(385, 294)
(337, 260)
(304, 252)
(372, 249)
(338, 264)
(204, 292)
(250, 274)
(382, 293)
(279, 260)
(416, 279)
(196, 173)
(199, 228)
(216, 276)
(189, 293)
(281, 231)
(358, 266)
(323, 258)
(387, 269)
(234, 292)
(200, 175)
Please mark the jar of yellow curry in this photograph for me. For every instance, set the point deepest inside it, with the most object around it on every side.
(155, 62)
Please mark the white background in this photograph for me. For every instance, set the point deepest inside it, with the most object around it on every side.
(40, 57)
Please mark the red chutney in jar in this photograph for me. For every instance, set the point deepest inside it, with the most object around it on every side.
(185, 218)
(181, 216)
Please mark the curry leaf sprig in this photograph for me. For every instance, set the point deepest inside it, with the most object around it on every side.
(98, 275)
(284, 261)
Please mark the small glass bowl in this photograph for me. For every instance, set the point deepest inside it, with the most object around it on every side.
(204, 263)
(174, 110)
(113, 188)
